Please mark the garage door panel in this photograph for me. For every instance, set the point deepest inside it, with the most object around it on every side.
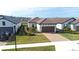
(77, 28)
(47, 29)
(6, 29)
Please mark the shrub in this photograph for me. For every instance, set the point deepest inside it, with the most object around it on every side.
(75, 32)
(67, 30)
(31, 34)
(31, 31)
(21, 30)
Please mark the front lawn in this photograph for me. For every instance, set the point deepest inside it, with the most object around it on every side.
(29, 39)
(42, 48)
(70, 36)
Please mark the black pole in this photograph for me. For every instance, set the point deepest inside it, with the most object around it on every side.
(15, 38)
(15, 43)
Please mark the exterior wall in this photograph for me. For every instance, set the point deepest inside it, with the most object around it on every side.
(43, 25)
(59, 26)
(17, 26)
(77, 27)
(39, 28)
(7, 23)
(72, 27)
(29, 24)
(77, 24)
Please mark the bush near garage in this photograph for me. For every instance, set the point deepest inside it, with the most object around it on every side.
(68, 30)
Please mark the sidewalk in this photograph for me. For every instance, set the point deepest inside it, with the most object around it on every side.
(59, 46)
(26, 45)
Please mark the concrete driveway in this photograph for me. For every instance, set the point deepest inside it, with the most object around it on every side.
(55, 37)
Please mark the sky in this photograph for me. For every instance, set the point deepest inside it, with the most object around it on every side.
(32, 9)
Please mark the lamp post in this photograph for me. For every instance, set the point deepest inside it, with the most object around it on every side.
(15, 38)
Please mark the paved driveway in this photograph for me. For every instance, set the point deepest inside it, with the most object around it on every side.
(55, 37)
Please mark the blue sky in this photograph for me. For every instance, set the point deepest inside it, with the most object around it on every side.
(42, 11)
(39, 8)
(48, 12)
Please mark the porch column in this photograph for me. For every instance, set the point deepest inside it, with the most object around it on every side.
(55, 29)
(13, 30)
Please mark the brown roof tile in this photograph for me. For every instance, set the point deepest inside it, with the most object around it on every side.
(49, 20)
(55, 20)
(36, 20)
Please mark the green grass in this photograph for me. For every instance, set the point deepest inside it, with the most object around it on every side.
(70, 36)
(43, 48)
(29, 39)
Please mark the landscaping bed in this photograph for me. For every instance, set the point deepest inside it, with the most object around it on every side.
(41, 48)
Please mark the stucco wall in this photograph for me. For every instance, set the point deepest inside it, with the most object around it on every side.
(77, 24)
(59, 26)
(72, 26)
(29, 24)
(39, 28)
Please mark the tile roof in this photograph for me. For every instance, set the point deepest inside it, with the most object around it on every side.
(55, 20)
(36, 20)
(50, 20)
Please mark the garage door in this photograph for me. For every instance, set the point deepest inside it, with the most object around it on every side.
(48, 29)
(6, 29)
(77, 28)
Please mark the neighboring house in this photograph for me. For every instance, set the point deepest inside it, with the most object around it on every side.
(9, 24)
(49, 24)
(75, 25)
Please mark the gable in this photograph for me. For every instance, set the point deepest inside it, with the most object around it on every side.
(7, 23)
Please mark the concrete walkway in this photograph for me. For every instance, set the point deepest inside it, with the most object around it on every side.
(59, 45)
(3, 43)
(67, 46)
(26, 45)
(55, 37)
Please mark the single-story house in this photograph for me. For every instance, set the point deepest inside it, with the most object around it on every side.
(9, 24)
(49, 24)
(75, 25)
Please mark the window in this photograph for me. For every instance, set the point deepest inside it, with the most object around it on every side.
(33, 25)
(3, 23)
